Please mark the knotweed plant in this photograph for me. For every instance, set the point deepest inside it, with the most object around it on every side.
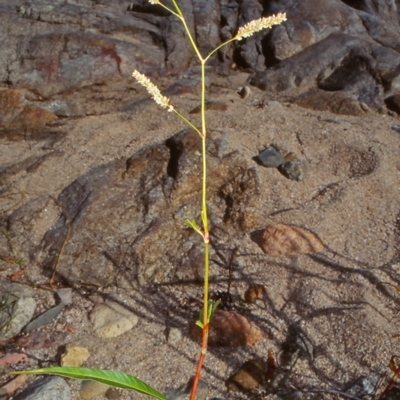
(126, 381)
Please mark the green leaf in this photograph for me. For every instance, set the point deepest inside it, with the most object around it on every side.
(111, 378)
(193, 225)
(211, 310)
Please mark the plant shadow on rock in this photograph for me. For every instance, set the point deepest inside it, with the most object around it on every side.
(126, 231)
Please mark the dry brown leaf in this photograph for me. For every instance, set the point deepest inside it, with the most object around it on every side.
(287, 240)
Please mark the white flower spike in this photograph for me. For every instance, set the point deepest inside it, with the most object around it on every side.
(259, 24)
(154, 91)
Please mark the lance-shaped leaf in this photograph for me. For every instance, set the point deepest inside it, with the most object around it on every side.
(111, 378)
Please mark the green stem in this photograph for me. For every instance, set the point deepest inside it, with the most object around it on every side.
(182, 18)
(187, 121)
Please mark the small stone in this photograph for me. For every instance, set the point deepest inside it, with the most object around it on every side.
(250, 375)
(110, 319)
(284, 240)
(74, 356)
(47, 388)
(274, 104)
(14, 317)
(174, 336)
(253, 293)
(270, 157)
(90, 389)
(113, 394)
(229, 329)
(363, 386)
(293, 169)
(244, 92)
(183, 392)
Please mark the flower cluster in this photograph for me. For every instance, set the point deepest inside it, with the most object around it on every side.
(259, 24)
(154, 91)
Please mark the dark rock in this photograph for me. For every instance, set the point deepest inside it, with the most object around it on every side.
(393, 103)
(270, 157)
(48, 388)
(156, 190)
(336, 102)
(363, 386)
(250, 375)
(229, 329)
(294, 169)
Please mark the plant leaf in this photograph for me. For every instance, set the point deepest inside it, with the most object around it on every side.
(194, 226)
(111, 378)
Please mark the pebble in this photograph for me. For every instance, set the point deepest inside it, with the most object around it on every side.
(271, 157)
(363, 386)
(293, 169)
(183, 392)
(90, 389)
(244, 92)
(174, 336)
(16, 316)
(47, 388)
(250, 375)
(74, 356)
(109, 319)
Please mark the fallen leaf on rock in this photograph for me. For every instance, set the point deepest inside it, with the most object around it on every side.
(288, 240)
(229, 329)
(15, 276)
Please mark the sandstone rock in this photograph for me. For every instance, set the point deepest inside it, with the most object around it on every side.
(74, 356)
(111, 319)
(229, 329)
(284, 240)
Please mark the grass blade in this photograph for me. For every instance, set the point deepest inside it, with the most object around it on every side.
(111, 378)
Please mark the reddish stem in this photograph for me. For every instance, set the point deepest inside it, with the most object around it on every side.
(204, 344)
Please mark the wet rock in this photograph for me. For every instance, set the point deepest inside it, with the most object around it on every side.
(110, 319)
(183, 392)
(91, 389)
(285, 240)
(74, 356)
(250, 375)
(229, 329)
(15, 316)
(271, 157)
(48, 388)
